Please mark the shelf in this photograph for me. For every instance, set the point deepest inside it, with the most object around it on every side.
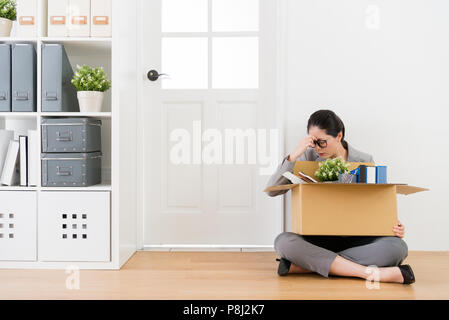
(17, 188)
(18, 115)
(76, 114)
(104, 186)
(28, 115)
(75, 39)
(98, 43)
(12, 39)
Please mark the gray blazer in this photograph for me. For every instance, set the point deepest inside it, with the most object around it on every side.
(277, 178)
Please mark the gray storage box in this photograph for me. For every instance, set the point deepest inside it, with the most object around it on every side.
(58, 93)
(71, 135)
(5, 77)
(23, 77)
(71, 169)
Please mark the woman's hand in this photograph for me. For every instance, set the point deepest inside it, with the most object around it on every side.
(399, 230)
(302, 146)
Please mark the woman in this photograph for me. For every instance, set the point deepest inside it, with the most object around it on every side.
(337, 255)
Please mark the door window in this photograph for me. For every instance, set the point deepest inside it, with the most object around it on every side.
(210, 44)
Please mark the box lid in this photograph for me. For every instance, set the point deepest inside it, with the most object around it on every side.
(70, 121)
(400, 188)
(71, 155)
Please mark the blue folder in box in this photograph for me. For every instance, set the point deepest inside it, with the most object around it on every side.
(361, 173)
(381, 174)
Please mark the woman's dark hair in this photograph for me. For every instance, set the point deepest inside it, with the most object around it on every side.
(329, 121)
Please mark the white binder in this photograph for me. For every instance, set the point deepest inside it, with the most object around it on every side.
(5, 137)
(26, 18)
(10, 176)
(79, 18)
(57, 18)
(101, 13)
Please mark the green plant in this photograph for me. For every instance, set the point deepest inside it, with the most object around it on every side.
(90, 79)
(8, 9)
(330, 169)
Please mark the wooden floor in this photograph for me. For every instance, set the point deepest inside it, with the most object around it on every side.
(221, 275)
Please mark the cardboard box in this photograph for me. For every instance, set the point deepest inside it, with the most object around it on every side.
(345, 209)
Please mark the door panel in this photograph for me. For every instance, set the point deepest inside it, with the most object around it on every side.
(200, 124)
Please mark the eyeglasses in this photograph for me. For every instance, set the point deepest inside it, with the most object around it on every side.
(321, 143)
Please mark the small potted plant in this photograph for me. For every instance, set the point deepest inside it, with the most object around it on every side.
(8, 14)
(330, 169)
(91, 83)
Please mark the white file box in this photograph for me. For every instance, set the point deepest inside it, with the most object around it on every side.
(57, 18)
(101, 13)
(26, 18)
(79, 18)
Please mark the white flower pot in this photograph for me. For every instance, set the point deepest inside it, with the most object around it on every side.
(90, 101)
(5, 27)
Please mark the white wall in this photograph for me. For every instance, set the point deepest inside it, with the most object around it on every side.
(387, 76)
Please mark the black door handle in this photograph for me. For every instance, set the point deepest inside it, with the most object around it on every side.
(153, 75)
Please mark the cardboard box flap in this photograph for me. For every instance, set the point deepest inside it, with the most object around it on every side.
(309, 167)
(281, 187)
(400, 188)
(405, 189)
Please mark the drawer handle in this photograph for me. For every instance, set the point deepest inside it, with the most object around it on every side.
(21, 95)
(51, 96)
(60, 171)
(64, 138)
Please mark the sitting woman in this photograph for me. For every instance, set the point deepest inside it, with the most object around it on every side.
(337, 255)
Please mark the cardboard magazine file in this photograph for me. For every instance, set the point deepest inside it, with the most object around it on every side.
(346, 209)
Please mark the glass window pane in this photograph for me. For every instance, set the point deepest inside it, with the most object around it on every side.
(235, 63)
(235, 15)
(184, 15)
(185, 61)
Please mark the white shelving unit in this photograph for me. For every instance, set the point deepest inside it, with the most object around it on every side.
(117, 55)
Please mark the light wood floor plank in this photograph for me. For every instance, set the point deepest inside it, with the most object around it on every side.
(221, 275)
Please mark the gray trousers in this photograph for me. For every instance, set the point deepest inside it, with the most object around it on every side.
(316, 253)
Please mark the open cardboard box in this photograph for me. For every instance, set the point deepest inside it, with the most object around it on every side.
(346, 209)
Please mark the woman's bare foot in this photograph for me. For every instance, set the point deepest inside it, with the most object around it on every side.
(296, 269)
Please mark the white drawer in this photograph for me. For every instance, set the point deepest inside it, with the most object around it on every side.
(74, 226)
(18, 225)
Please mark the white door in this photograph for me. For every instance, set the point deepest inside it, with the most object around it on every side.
(220, 59)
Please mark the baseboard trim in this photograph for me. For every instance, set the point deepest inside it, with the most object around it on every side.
(213, 248)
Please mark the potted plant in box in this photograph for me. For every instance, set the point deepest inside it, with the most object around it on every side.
(91, 83)
(8, 14)
(330, 169)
